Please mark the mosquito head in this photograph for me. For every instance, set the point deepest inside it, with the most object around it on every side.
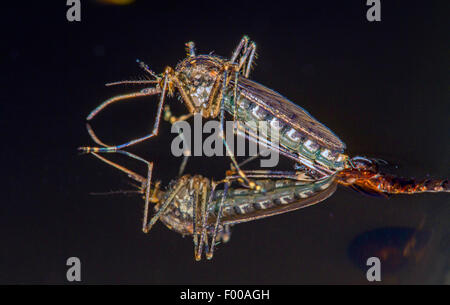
(197, 75)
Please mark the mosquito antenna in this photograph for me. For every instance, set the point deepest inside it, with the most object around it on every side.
(146, 68)
(122, 192)
(132, 82)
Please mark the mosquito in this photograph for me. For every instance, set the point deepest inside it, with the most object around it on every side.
(214, 87)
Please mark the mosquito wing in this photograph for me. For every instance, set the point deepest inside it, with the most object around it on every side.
(292, 114)
(315, 198)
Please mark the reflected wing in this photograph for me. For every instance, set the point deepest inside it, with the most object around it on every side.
(289, 112)
(276, 210)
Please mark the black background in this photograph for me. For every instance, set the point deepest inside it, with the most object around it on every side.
(381, 86)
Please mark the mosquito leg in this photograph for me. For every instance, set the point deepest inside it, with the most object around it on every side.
(168, 116)
(210, 253)
(195, 216)
(251, 59)
(204, 217)
(242, 44)
(249, 159)
(250, 51)
(153, 133)
(251, 184)
(143, 92)
(94, 150)
(164, 206)
(144, 182)
(235, 95)
(205, 208)
(147, 199)
(248, 54)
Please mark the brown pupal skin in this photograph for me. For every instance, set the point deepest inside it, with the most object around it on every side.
(365, 176)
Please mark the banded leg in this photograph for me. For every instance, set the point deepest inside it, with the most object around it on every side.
(131, 174)
(144, 182)
(154, 132)
(249, 54)
(144, 92)
(205, 209)
(203, 218)
(210, 253)
(250, 184)
(148, 226)
(194, 218)
(204, 236)
(250, 51)
(251, 59)
(242, 45)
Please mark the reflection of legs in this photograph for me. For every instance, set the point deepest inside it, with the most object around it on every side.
(148, 226)
(144, 182)
(201, 208)
(210, 253)
(205, 211)
(195, 217)
(202, 218)
(143, 92)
